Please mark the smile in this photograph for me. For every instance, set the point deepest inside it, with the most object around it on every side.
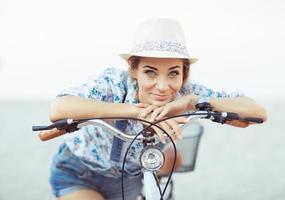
(159, 97)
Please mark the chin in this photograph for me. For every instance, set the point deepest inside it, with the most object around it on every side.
(159, 103)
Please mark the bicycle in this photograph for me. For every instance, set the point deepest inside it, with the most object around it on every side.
(151, 158)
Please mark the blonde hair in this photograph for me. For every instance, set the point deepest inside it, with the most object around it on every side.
(134, 63)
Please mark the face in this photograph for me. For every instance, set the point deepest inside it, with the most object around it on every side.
(159, 79)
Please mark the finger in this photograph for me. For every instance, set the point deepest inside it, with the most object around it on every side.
(175, 127)
(55, 130)
(237, 123)
(155, 113)
(166, 127)
(49, 134)
(229, 123)
(147, 110)
(160, 134)
(243, 124)
(181, 120)
(163, 113)
(168, 130)
(51, 131)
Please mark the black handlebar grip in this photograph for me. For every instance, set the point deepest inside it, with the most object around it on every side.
(57, 124)
(232, 116)
(253, 119)
(39, 128)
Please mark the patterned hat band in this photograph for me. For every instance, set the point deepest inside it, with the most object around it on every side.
(166, 46)
(159, 38)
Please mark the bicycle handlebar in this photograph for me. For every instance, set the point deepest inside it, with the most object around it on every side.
(69, 125)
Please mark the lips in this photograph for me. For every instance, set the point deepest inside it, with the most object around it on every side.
(160, 97)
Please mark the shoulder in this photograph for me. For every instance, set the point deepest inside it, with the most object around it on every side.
(193, 87)
(114, 73)
(112, 76)
(187, 88)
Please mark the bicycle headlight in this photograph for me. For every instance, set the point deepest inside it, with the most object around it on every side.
(152, 158)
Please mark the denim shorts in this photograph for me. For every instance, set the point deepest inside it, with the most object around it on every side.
(68, 175)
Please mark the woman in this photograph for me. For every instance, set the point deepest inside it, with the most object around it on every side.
(155, 86)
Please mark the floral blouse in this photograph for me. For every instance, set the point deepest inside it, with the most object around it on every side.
(99, 150)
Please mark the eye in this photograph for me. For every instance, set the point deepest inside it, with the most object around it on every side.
(173, 73)
(150, 73)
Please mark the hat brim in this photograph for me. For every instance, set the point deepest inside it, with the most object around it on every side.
(157, 54)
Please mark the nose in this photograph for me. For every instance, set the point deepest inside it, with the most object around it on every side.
(162, 84)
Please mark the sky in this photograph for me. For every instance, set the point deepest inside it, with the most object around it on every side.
(46, 46)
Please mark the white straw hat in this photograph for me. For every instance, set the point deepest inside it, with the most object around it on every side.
(159, 38)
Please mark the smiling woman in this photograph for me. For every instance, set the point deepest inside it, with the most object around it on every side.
(156, 86)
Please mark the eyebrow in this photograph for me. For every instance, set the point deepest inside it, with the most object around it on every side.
(174, 67)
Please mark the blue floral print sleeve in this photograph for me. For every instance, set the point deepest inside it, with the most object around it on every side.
(108, 86)
(200, 90)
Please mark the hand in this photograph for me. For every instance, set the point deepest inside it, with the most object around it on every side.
(174, 108)
(238, 123)
(49, 134)
(171, 126)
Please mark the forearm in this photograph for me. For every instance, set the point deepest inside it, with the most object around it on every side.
(79, 108)
(242, 105)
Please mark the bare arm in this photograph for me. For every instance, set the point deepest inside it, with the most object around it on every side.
(75, 107)
(244, 106)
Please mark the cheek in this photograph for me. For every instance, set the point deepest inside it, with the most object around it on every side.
(144, 90)
(145, 84)
(176, 85)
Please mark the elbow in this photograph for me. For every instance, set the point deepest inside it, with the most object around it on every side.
(260, 112)
(52, 117)
(55, 110)
(263, 114)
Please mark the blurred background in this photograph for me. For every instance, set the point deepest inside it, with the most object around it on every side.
(46, 46)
